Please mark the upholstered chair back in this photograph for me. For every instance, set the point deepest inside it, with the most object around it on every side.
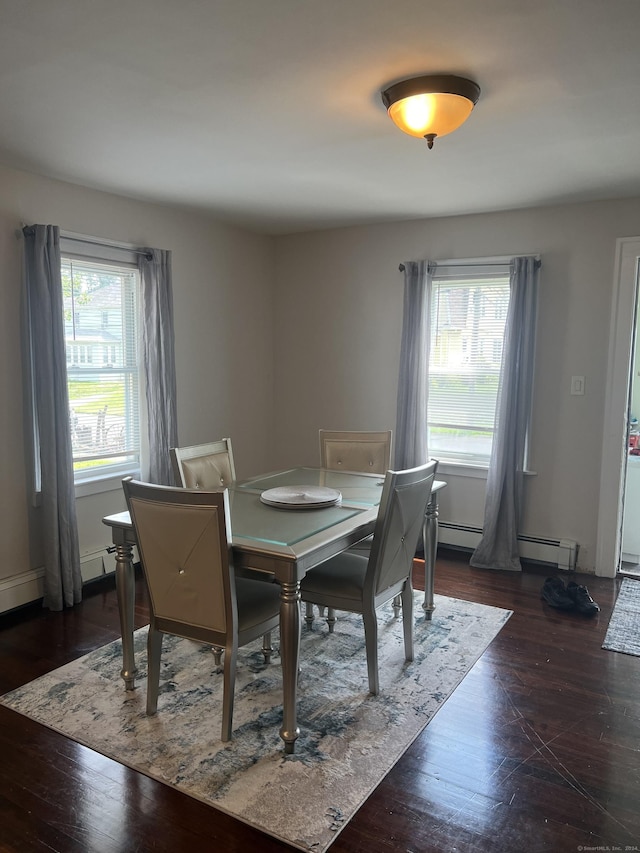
(403, 506)
(369, 452)
(204, 466)
(183, 540)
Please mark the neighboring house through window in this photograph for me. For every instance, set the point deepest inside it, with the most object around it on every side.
(468, 314)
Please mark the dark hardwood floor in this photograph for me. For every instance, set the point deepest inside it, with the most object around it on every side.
(537, 749)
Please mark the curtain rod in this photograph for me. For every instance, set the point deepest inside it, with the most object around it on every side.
(478, 262)
(93, 241)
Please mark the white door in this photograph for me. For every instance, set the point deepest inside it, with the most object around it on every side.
(614, 441)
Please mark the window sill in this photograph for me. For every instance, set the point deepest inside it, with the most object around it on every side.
(107, 483)
(462, 469)
(474, 472)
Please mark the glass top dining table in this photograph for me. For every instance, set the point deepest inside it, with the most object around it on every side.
(284, 542)
(253, 520)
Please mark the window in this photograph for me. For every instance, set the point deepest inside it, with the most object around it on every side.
(468, 315)
(100, 301)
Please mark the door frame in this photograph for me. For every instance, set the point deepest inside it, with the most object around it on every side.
(614, 433)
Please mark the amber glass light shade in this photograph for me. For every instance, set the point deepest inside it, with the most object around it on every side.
(431, 106)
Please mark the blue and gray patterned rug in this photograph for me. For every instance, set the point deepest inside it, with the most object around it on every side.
(349, 740)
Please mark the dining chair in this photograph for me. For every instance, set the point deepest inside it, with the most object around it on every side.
(183, 538)
(361, 584)
(204, 466)
(366, 452)
(210, 466)
(369, 452)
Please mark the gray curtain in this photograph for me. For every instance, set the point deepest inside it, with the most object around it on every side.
(413, 391)
(48, 367)
(158, 358)
(498, 547)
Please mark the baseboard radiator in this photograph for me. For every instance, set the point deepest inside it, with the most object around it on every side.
(97, 564)
(28, 586)
(560, 553)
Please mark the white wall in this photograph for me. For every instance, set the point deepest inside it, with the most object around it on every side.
(278, 337)
(338, 326)
(223, 304)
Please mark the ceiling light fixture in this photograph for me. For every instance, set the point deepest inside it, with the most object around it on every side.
(431, 106)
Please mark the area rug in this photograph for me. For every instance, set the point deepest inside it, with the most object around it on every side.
(349, 739)
(623, 633)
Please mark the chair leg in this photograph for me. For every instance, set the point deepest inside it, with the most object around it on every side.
(371, 643)
(154, 653)
(331, 619)
(228, 691)
(308, 615)
(396, 606)
(267, 649)
(407, 620)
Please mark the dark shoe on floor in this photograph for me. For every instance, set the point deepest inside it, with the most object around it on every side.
(555, 593)
(583, 601)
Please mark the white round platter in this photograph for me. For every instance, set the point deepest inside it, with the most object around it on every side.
(301, 497)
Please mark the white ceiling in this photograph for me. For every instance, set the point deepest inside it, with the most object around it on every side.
(267, 113)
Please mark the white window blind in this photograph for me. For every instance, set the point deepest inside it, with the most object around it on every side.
(468, 314)
(100, 313)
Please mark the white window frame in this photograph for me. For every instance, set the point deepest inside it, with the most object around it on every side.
(472, 269)
(88, 249)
